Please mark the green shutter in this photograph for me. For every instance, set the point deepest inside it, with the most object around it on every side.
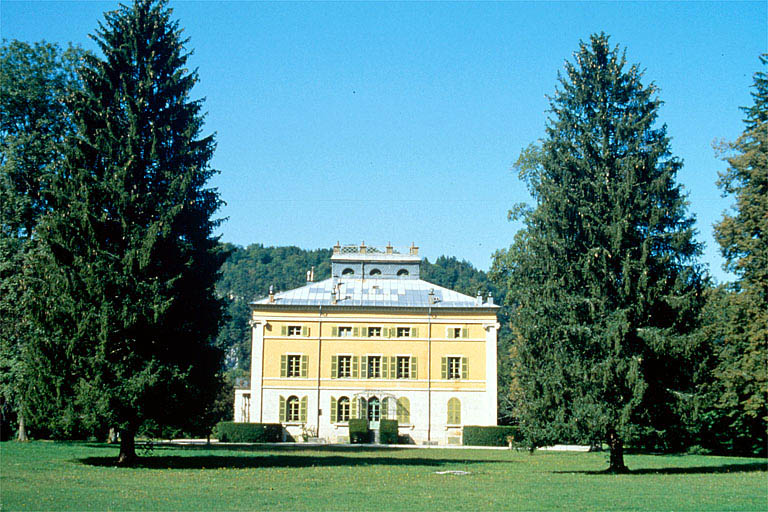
(335, 331)
(305, 331)
(334, 367)
(388, 332)
(449, 332)
(403, 411)
(414, 368)
(364, 367)
(464, 367)
(303, 410)
(444, 368)
(282, 409)
(414, 332)
(384, 368)
(356, 332)
(365, 332)
(355, 362)
(392, 367)
(385, 408)
(284, 331)
(333, 410)
(465, 332)
(363, 411)
(283, 365)
(353, 408)
(304, 364)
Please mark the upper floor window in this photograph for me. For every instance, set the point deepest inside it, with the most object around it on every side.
(345, 367)
(345, 332)
(374, 332)
(454, 368)
(403, 369)
(347, 272)
(374, 367)
(402, 272)
(293, 365)
(404, 332)
(375, 272)
(294, 330)
(457, 332)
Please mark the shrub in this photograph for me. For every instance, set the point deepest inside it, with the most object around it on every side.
(388, 432)
(229, 431)
(490, 436)
(359, 431)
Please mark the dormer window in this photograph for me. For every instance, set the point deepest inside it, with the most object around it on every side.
(375, 272)
(402, 272)
(348, 272)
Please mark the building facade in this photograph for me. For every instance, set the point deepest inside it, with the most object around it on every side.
(374, 341)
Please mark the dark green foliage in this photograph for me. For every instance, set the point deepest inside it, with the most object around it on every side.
(739, 322)
(602, 282)
(230, 432)
(388, 431)
(358, 431)
(490, 436)
(131, 261)
(35, 82)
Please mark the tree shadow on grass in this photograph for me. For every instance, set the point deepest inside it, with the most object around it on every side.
(749, 467)
(271, 461)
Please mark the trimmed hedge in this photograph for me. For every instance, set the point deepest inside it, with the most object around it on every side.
(388, 432)
(231, 432)
(358, 431)
(489, 436)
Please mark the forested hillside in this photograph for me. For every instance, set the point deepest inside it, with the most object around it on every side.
(250, 271)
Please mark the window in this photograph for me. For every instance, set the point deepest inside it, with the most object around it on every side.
(374, 332)
(375, 272)
(403, 367)
(294, 330)
(403, 332)
(347, 272)
(374, 367)
(374, 409)
(293, 365)
(342, 409)
(403, 411)
(345, 367)
(345, 332)
(293, 410)
(402, 272)
(454, 368)
(454, 411)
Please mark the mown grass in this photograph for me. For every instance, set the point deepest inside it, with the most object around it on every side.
(81, 476)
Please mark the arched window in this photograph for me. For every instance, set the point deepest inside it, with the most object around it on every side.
(454, 411)
(348, 271)
(374, 409)
(375, 272)
(402, 272)
(342, 409)
(403, 411)
(292, 409)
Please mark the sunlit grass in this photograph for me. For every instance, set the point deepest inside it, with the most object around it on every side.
(79, 476)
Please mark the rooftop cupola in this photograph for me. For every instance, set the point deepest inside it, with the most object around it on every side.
(371, 262)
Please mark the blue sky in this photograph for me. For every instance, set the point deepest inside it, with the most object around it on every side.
(401, 121)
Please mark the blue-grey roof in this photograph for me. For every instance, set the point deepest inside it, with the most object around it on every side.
(375, 292)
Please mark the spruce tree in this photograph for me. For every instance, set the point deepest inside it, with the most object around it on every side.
(131, 252)
(602, 280)
(741, 376)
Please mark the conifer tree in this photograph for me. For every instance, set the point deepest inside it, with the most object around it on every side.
(602, 281)
(133, 261)
(741, 375)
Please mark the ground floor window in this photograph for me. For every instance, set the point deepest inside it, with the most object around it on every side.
(374, 409)
(293, 409)
(454, 411)
(342, 409)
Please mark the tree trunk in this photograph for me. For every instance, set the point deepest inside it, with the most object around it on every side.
(617, 453)
(22, 434)
(127, 448)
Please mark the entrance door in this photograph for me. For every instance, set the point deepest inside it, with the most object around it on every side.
(374, 412)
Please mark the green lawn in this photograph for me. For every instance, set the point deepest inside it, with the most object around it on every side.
(80, 476)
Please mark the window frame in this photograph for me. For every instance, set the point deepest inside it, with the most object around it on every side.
(294, 331)
(404, 329)
(288, 370)
(379, 331)
(344, 358)
(345, 331)
(369, 359)
(291, 415)
(402, 375)
(340, 409)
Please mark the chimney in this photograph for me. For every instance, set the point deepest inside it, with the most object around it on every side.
(337, 248)
(490, 298)
(312, 273)
(389, 247)
(431, 296)
(479, 298)
(309, 276)
(334, 298)
(414, 249)
(363, 247)
(271, 293)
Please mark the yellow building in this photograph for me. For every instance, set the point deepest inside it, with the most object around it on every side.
(374, 341)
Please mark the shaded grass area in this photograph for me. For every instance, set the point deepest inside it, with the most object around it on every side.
(82, 476)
